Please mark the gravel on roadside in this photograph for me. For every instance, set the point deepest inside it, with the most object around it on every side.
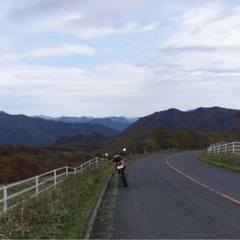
(103, 225)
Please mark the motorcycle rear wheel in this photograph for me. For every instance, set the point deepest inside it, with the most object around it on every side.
(124, 180)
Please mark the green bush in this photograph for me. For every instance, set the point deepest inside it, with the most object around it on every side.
(60, 213)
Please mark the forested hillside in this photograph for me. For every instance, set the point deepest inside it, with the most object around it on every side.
(201, 119)
(20, 129)
(75, 143)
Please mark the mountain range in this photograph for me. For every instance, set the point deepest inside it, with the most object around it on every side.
(118, 123)
(21, 129)
(214, 119)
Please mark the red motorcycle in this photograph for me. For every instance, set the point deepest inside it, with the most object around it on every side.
(120, 167)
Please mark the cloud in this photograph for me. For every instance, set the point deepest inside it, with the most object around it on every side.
(207, 26)
(48, 86)
(84, 29)
(80, 19)
(60, 50)
(105, 77)
(127, 87)
(118, 57)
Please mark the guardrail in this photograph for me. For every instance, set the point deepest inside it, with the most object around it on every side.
(13, 194)
(233, 147)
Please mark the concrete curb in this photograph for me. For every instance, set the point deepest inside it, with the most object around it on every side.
(95, 210)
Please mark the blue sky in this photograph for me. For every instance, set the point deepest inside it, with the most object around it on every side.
(124, 57)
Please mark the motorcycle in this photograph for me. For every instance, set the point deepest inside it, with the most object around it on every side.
(120, 167)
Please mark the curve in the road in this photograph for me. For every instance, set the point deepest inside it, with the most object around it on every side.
(161, 203)
(171, 196)
(200, 183)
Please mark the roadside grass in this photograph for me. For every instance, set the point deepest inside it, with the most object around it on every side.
(60, 213)
(31, 185)
(224, 160)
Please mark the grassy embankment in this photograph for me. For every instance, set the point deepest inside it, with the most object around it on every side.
(224, 160)
(60, 213)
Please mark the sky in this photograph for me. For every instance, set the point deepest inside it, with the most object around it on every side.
(127, 58)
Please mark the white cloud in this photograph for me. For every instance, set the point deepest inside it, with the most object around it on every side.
(83, 19)
(118, 57)
(60, 50)
(207, 26)
(127, 87)
(116, 83)
(84, 28)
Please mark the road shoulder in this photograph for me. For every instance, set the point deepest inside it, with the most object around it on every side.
(103, 225)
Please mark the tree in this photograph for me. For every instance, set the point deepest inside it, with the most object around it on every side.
(162, 137)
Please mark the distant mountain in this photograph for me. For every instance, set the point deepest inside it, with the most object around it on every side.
(20, 129)
(201, 119)
(118, 123)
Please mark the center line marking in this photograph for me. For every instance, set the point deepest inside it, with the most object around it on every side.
(201, 184)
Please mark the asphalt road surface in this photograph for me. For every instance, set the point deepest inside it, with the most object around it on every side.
(175, 196)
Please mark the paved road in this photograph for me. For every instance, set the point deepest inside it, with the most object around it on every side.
(177, 196)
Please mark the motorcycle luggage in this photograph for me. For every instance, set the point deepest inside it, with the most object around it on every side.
(117, 158)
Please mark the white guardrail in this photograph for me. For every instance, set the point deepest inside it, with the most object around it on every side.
(233, 147)
(14, 193)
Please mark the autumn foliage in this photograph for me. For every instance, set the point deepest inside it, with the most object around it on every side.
(21, 162)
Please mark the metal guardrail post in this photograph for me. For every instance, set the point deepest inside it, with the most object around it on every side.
(5, 197)
(67, 171)
(55, 178)
(37, 185)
